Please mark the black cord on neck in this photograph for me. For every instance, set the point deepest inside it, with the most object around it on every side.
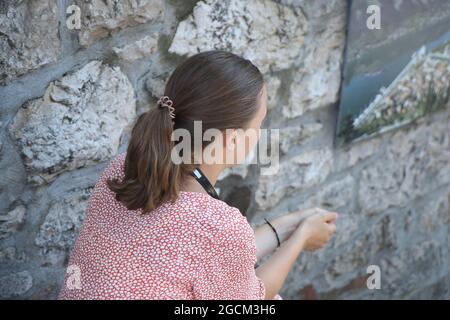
(201, 178)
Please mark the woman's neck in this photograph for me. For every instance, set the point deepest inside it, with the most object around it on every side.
(210, 171)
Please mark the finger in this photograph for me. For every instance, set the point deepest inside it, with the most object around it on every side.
(305, 214)
(332, 227)
(310, 212)
(320, 210)
(330, 216)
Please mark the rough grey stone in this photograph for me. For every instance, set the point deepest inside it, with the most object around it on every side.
(311, 169)
(61, 225)
(156, 83)
(348, 224)
(317, 82)
(28, 37)
(102, 18)
(349, 155)
(11, 254)
(417, 265)
(273, 84)
(413, 158)
(332, 196)
(297, 135)
(139, 49)
(439, 290)
(10, 222)
(377, 236)
(268, 34)
(78, 122)
(13, 176)
(15, 284)
(435, 215)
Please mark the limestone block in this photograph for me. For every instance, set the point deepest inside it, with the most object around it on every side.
(28, 37)
(78, 122)
(102, 18)
(268, 34)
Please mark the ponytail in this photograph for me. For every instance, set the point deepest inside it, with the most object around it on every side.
(218, 88)
(151, 177)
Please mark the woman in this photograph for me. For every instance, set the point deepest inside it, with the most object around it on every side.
(155, 229)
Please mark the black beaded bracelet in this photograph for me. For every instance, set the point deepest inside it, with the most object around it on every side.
(276, 233)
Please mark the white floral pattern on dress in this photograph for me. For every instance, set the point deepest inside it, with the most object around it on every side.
(195, 248)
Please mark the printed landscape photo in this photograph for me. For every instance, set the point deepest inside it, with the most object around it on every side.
(395, 74)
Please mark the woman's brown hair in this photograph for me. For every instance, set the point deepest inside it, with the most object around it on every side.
(217, 87)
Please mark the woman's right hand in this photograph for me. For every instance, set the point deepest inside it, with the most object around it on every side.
(317, 229)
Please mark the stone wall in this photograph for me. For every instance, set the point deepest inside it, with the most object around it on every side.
(68, 99)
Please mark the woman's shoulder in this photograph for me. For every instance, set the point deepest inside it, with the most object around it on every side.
(115, 167)
(218, 219)
(112, 170)
(222, 227)
(214, 211)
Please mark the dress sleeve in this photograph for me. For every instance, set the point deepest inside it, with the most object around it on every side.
(227, 268)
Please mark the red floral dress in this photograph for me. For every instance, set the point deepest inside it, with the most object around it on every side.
(195, 248)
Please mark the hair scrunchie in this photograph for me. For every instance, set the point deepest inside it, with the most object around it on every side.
(165, 102)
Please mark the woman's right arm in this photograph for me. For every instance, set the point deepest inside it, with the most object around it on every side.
(312, 234)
